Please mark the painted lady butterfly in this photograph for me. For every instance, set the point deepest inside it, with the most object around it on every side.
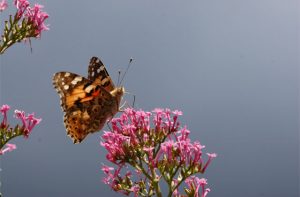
(87, 102)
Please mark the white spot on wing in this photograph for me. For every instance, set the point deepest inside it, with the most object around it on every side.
(89, 88)
(66, 87)
(78, 78)
(67, 74)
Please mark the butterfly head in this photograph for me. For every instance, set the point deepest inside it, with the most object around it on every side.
(118, 92)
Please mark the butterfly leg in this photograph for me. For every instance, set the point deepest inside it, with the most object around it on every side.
(107, 123)
(121, 109)
(125, 104)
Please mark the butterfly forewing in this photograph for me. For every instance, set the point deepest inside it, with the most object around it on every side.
(98, 73)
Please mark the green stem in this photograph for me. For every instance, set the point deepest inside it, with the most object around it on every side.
(8, 134)
(155, 183)
(15, 32)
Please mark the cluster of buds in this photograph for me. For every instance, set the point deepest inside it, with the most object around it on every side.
(7, 133)
(156, 148)
(28, 22)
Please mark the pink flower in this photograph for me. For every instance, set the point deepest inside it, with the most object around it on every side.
(32, 121)
(194, 184)
(135, 189)
(29, 122)
(109, 176)
(167, 147)
(4, 110)
(206, 192)
(37, 17)
(106, 169)
(210, 157)
(34, 15)
(3, 5)
(21, 5)
(177, 112)
(9, 147)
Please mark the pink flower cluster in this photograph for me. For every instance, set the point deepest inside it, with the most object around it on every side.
(34, 15)
(155, 144)
(28, 123)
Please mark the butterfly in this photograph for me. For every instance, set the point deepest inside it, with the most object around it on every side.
(89, 102)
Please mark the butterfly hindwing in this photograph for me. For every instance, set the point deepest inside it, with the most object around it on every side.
(88, 117)
(98, 73)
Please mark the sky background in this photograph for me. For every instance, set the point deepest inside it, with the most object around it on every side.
(230, 66)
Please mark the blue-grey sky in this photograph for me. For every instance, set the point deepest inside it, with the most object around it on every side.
(230, 66)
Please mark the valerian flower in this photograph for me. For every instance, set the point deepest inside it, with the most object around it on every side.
(28, 22)
(156, 148)
(9, 148)
(28, 122)
(194, 184)
(7, 133)
(3, 5)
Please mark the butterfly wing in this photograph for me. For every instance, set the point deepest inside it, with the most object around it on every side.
(85, 104)
(98, 73)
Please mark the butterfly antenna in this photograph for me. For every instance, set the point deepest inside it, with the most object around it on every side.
(118, 83)
(129, 63)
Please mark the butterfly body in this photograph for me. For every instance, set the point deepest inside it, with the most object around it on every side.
(87, 102)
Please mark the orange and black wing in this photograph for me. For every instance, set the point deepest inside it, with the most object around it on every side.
(84, 103)
(98, 73)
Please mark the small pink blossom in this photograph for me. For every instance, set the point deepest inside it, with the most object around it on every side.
(21, 5)
(210, 157)
(106, 169)
(4, 109)
(177, 112)
(37, 17)
(9, 148)
(29, 122)
(194, 184)
(203, 182)
(3, 5)
(135, 189)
